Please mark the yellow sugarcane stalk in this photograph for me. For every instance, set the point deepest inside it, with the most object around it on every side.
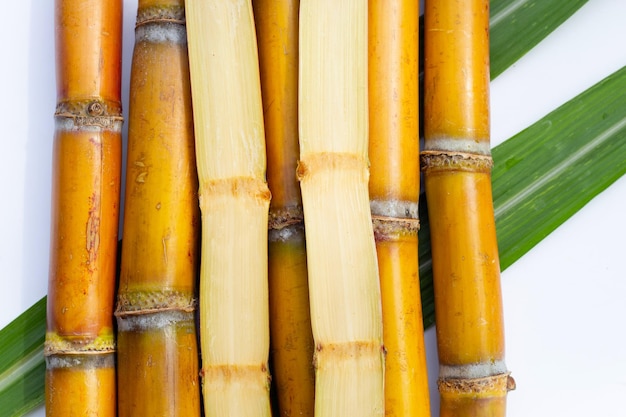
(234, 202)
(80, 345)
(157, 357)
(394, 192)
(291, 339)
(473, 378)
(343, 273)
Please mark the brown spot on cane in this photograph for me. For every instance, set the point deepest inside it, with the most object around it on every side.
(223, 375)
(301, 170)
(510, 384)
(92, 243)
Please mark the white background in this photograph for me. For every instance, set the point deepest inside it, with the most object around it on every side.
(564, 301)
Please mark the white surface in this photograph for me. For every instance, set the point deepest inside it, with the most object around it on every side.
(564, 301)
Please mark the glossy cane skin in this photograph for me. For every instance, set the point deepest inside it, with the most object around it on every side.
(458, 100)
(473, 378)
(394, 191)
(79, 349)
(393, 100)
(158, 369)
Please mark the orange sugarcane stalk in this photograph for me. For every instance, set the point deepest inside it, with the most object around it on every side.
(291, 339)
(157, 349)
(394, 192)
(473, 378)
(80, 344)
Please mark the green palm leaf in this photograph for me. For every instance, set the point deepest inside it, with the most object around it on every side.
(22, 366)
(547, 172)
(516, 26)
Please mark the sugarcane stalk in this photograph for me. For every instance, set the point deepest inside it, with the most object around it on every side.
(157, 350)
(333, 170)
(394, 191)
(473, 378)
(291, 339)
(80, 344)
(234, 202)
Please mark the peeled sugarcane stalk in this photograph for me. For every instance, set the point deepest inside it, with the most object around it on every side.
(333, 170)
(157, 349)
(473, 378)
(234, 202)
(80, 343)
(394, 192)
(291, 341)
